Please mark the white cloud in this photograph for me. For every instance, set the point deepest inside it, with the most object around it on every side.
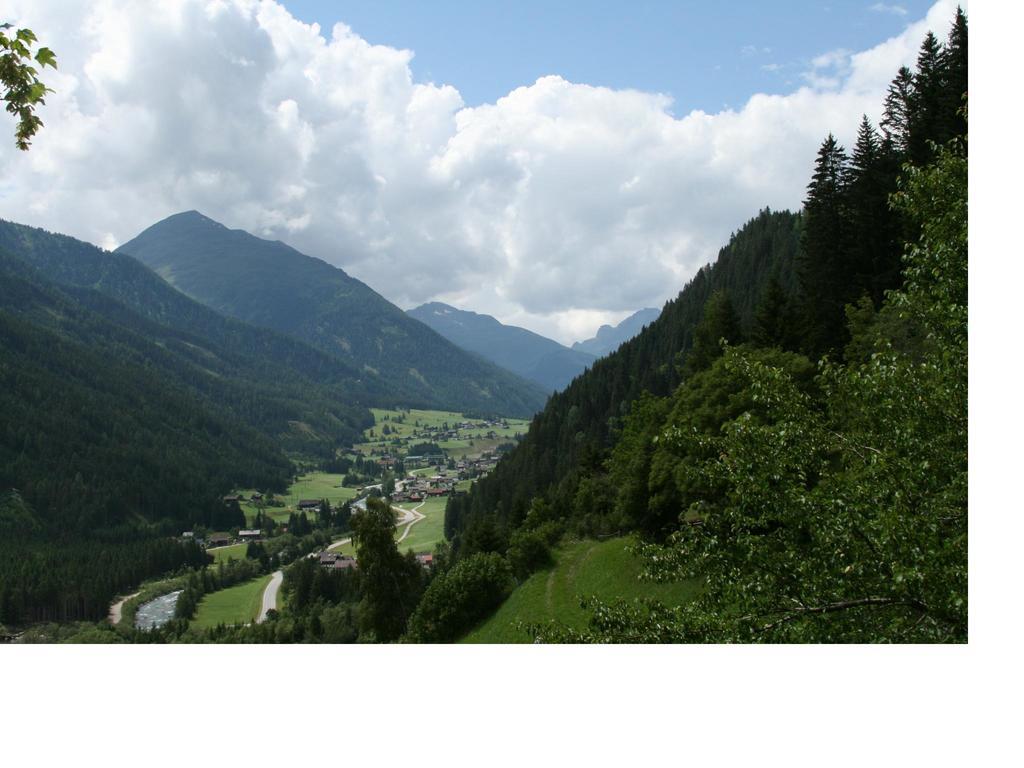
(895, 10)
(559, 207)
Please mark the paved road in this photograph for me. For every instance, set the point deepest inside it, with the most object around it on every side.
(409, 518)
(270, 596)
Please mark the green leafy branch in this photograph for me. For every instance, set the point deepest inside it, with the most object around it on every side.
(18, 75)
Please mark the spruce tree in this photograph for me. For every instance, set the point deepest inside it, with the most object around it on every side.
(896, 115)
(954, 64)
(824, 273)
(720, 323)
(874, 245)
(927, 101)
(774, 324)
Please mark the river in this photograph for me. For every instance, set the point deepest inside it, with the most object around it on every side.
(156, 612)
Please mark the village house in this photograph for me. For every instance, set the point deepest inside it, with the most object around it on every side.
(251, 535)
(309, 504)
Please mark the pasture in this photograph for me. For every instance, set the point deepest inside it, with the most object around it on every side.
(584, 568)
(235, 605)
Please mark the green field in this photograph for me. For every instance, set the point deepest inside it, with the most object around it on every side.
(424, 536)
(585, 568)
(235, 605)
(223, 554)
(403, 430)
(429, 532)
(313, 485)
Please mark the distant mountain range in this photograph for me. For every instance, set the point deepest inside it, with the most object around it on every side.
(269, 284)
(609, 338)
(525, 353)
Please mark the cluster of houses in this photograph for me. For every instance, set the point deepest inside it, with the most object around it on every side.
(417, 489)
(336, 561)
(223, 538)
(451, 432)
(478, 467)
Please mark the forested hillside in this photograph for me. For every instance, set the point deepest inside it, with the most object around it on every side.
(298, 385)
(813, 500)
(572, 434)
(271, 285)
(128, 411)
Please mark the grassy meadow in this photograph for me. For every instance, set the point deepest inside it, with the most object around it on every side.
(312, 485)
(235, 605)
(223, 554)
(585, 568)
(471, 442)
(429, 532)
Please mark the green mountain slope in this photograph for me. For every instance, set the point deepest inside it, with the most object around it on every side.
(530, 355)
(576, 427)
(105, 428)
(307, 401)
(274, 286)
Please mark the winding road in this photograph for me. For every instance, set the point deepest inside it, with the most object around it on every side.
(270, 596)
(409, 518)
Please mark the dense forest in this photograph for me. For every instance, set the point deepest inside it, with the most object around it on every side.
(128, 410)
(792, 430)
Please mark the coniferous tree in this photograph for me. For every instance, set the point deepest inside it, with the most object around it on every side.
(774, 324)
(954, 63)
(895, 123)
(720, 322)
(926, 113)
(874, 245)
(824, 272)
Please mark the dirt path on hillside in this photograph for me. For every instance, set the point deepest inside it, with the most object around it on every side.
(409, 518)
(115, 609)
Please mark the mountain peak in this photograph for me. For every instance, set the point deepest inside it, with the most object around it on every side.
(608, 338)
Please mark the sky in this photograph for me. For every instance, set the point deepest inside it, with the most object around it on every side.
(556, 165)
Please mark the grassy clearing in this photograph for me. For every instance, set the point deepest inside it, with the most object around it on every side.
(235, 605)
(313, 485)
(223, 554)
(403, 430)
(585, 568)
(429, 532)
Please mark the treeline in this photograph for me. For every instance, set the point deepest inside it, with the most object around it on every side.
(72, 580)
(672, 438)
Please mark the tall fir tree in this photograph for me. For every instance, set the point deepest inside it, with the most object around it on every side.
(954, 64)
(895, 123)
(720, 323)
(874, 233)
(774, 324)
(824, 273)
(926, 113)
